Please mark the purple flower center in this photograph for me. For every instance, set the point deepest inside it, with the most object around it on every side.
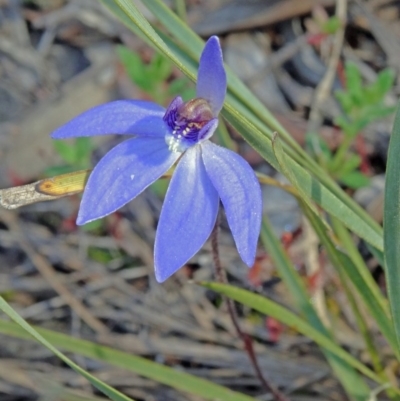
(186, 121)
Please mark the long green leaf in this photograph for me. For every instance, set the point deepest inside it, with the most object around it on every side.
(359, 275)
(104, 388)
(174, 378)
(372, 303)
(284, 164)
(359, 264)
(349, 268)
(350, 379)
(304, 180)
(391, 224)
(361, 279)
(342, 262)
(271, 308)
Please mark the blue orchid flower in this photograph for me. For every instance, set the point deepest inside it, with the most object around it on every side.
(204, 174)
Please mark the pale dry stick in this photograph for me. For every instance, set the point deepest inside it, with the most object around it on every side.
(379, 3)
(322, 92)
(44, 190)
(383, 34)
(141, 248)
(46, 270)
(324, 88)
(201, 317)
(310, 245)
(73, 183)
(278, 58)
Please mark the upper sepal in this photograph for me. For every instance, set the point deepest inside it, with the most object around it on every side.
(211, 78)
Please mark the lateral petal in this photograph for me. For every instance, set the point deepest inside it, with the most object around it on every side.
(240, 194)
(187, 217)
(133, 117)
(122, 174)
(208, 130)
(211, 78)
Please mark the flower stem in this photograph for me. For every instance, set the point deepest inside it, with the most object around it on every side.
(221, 277)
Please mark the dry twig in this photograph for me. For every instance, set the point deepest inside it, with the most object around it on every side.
(247, 341)
(324, 88)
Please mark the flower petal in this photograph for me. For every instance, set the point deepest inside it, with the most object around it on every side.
(211, 79)
(240, 194)
(134, 117)
(187, 217)
(123, 173)
(170, 113)
(208, 130)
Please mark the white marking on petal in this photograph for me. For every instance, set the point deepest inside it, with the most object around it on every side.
(175, 144)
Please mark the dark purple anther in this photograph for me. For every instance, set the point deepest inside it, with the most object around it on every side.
(187, 121)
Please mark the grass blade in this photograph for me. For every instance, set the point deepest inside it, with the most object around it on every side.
(104, 388)
(391, 224)
(359, 276)
(174, 378)
(361, 279)
(271, 308)
(304, 180)
(350, 379)
(342, 264)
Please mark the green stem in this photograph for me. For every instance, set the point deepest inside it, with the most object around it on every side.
(340, 155)
(180, 8)
(347, 242)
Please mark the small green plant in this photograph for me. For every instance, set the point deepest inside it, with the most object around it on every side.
(330, 26)
(361, 105)
(75, 156)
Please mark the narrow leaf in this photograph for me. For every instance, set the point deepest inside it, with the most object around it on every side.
(349, 378)
(341, 264)
(285, 167)
(171, 377)
(391, 224)
(271, 308)
(358, 275)
(104, 388)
